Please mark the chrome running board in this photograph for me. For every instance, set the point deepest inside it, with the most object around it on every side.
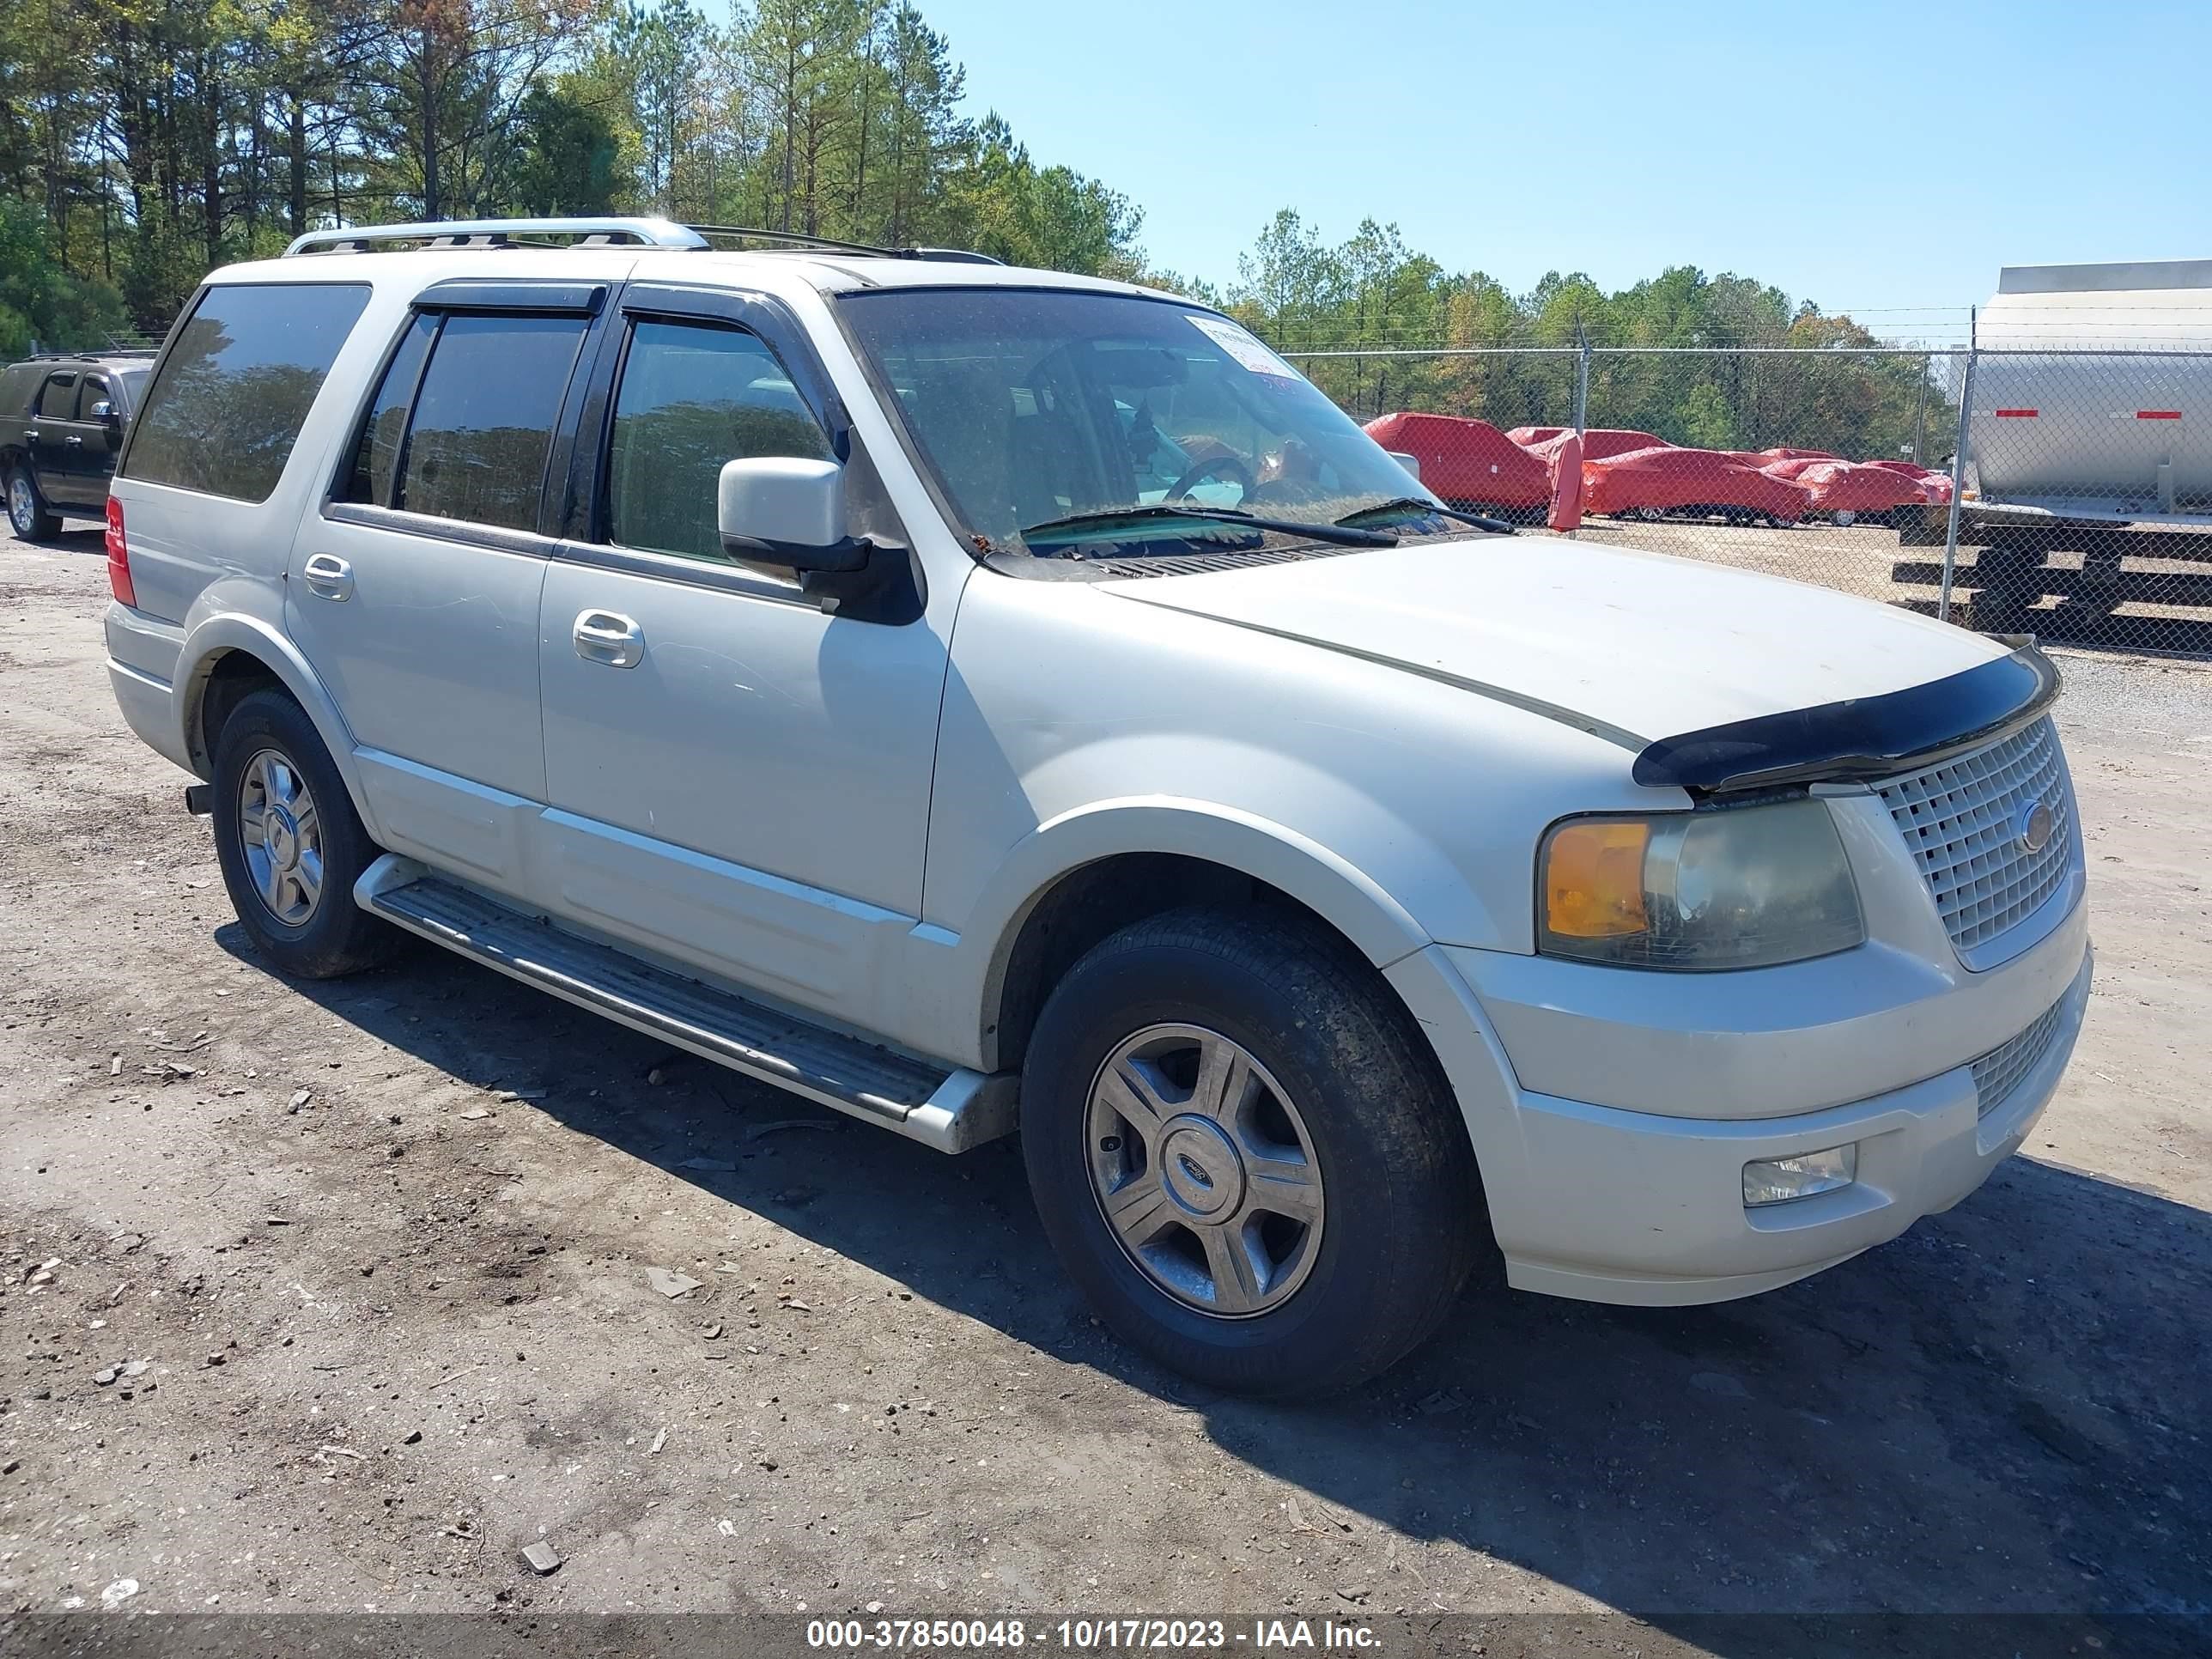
(951, 1110)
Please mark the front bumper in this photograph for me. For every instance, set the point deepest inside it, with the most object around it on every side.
(1607, 1204)
(1653, 1210)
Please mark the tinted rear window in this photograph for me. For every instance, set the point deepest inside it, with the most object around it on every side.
(58, 401)
(223, 414)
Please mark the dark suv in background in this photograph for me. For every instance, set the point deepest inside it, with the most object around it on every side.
(62, 421)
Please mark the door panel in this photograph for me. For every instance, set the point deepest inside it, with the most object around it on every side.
(53, 426)
(87, 449)
(738, 781)
(430, 647)
(417, 596)
(752, 794)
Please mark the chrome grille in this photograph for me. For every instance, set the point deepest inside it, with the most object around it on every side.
(1961, 819)
(1999, 1072)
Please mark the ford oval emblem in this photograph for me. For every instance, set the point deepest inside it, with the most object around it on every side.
(2035, 824)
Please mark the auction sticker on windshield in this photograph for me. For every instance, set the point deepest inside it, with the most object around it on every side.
(1246, 349)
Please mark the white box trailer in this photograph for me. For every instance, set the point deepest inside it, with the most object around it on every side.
(2091, 411)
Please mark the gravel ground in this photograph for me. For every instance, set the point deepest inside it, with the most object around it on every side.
(372, 1259)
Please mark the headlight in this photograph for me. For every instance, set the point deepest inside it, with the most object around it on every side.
(1733, 887)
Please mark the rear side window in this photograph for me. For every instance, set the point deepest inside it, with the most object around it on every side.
(481, 421)
(58, 401)
(222, 415)
(376, 456)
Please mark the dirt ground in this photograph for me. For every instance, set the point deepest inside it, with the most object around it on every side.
(372, 1259)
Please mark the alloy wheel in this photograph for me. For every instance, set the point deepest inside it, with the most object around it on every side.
(280, 836)
(1204, 1170)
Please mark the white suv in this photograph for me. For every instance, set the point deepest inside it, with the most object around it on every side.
(977, 698)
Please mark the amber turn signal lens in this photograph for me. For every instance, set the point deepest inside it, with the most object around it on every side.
(1594, 879)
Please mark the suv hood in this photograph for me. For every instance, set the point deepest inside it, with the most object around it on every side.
(1635, 646)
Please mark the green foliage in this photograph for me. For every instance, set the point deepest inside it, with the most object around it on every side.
(40, 303)
(571, 158)
(150, 140)
(1372, 294)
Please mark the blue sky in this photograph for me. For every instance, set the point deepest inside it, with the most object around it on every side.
(1882, 158)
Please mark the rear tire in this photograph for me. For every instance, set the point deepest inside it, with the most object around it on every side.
(291, 845)
(1348, 1213)
(29, 515)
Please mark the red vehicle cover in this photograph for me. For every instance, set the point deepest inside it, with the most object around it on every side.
(1910, 469)
(1782, 452)
(1466, 461)
(1792, 469)
(1666, 477)
(1526, 435)
(1566, 512)
(1848, 487)
(1598, 443)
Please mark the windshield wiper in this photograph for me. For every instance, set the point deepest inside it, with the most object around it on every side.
(1338, 535)
(1413, 503)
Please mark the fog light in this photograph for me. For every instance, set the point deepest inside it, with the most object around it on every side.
(1778, 1180)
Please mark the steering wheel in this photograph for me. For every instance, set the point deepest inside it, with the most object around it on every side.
(1206, 469)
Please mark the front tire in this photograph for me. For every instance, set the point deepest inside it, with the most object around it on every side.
(291, 845)
(29, 515)
(1244, 1155)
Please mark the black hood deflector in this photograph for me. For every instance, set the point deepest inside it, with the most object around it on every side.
(1861, 738)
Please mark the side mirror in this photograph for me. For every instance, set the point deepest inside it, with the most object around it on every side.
(1411, 463)
(103, 410)
(781, 510)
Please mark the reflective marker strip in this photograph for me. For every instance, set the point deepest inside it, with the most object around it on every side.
(2158, 414)
(2016, 414)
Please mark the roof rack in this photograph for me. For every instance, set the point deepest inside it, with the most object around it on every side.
(501, 233)
(597, 232)
(92, 357)
(830, 244)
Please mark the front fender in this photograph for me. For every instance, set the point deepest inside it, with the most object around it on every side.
(212, 631)
(1347, 898)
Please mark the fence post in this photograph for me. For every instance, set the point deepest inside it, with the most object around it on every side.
(1582, 384)
(1958, 480)
(1920, 411)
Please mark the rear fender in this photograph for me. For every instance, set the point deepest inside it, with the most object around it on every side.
(212, 632)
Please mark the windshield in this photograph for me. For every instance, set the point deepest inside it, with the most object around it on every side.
(1036, 406)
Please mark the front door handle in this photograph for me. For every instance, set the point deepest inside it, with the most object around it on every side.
(610, 638)
(72, 439)
(328, 576)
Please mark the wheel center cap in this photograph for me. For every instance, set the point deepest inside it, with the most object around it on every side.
(283, 837)
(1200, 1169)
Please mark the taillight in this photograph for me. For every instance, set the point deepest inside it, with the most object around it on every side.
(119, 556)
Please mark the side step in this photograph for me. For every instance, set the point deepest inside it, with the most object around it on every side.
(949, 1110)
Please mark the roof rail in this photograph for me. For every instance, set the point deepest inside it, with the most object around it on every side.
(499, 233)
(830, 244)
(92, 356)
(596, 233)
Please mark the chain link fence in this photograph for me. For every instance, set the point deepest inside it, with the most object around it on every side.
(2073, 502)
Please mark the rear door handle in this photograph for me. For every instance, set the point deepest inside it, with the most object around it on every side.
(328, 576)
(610, 638)
(72, 439)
